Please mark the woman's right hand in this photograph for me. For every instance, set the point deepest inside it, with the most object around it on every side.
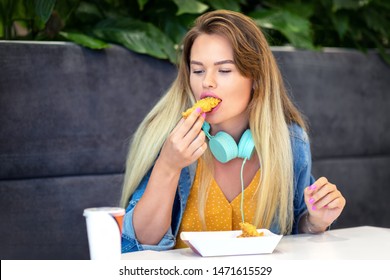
(153, 212)
(186, 143)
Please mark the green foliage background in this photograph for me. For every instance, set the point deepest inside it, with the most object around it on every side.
(156, 27)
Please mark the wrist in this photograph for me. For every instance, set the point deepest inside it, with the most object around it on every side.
(166, 169)
(314, 227)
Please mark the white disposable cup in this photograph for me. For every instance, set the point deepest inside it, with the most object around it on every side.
(104, 228)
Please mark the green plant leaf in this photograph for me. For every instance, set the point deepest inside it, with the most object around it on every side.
(376, 21)
(177, 26)
(11, 11)
(349, 4)
(21, 10)
(382, 4)
(295, 28)
(136, 35)
(340, 23)
(232, 5)
(141, 4)
(88, 12)
(385, 54)
(190, 7)
(84, 40)
(162, 23)
(2, 20)
(301, 8)
(67, 9)
(44, 8)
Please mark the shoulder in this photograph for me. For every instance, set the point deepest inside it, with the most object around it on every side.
(300, 144)
(297, 133)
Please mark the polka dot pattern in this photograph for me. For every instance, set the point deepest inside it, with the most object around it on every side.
(220, 213)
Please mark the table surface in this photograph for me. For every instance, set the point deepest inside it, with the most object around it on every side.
(357, 243)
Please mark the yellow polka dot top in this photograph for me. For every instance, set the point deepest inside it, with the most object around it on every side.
(220, 213)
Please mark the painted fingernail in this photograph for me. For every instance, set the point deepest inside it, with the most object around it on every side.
(312, 187)
(204, 115)
(311, 200)
(198, 110)
(313, 208)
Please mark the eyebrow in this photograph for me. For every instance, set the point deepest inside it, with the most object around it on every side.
(227, 61)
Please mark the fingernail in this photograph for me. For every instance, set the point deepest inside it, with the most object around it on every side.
(313, 208)
(311, 200)
(204, 115)
(198, 110)
(312, 187)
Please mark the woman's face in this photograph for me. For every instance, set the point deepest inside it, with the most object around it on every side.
(214, 73)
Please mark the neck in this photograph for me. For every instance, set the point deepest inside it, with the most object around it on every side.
(234, 128)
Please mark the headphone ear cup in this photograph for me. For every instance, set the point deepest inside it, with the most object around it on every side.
(246, 145)
(223, 147)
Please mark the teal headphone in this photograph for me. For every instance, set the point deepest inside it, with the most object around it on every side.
(224, 148)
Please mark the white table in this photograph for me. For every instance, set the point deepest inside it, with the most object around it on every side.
(358, 243)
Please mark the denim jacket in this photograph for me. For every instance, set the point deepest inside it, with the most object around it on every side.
(302, 178)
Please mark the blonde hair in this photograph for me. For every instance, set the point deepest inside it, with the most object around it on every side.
(270, 112)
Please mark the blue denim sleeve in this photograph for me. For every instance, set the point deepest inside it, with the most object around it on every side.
(129, 240)
(302, 172)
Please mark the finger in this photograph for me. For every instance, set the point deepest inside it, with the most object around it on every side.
(338, 202)
(313, 194)
(323, 191)
(178, 125)
(195, 130)
(317, 185)
(326, 197)
(199, 152)
(197, 142)
(324, 201)
(189, 122)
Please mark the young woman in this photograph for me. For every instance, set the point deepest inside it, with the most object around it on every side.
(174, 181)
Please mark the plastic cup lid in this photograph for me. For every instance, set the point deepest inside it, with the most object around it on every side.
(115, 211)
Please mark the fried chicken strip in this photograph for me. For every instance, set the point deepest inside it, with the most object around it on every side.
(206, 104)
(249, 230)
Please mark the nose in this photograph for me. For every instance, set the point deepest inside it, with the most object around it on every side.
(209, 81)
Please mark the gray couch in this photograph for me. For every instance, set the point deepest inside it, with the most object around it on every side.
(67, 114)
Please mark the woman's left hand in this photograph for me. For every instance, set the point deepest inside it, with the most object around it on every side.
(324, 203)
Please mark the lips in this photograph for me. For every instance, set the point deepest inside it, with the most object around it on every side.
(210, 94)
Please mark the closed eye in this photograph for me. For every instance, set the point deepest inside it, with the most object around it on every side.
(197, 71)
(225, 71)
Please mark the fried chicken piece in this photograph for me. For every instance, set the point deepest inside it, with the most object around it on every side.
(207, 104)
(249, 230)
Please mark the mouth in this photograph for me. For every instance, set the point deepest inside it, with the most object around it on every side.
(210, 94)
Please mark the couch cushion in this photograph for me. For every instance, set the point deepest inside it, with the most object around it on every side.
(67, 110)
(345, 96)
(43, 218)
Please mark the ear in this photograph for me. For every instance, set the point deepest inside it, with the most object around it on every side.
(256, 84)
(253, 88)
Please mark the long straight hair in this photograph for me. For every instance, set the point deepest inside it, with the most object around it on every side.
(270, 112)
